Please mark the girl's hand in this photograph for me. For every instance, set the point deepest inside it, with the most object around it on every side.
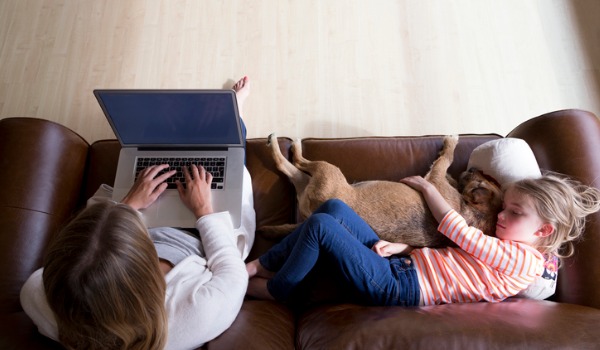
(148, 187)
(196, 194)
(435, 201)
(385, 248)
(417, 182)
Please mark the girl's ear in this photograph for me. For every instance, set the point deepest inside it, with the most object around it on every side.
(545, 231)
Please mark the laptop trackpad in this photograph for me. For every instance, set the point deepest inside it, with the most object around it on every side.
(169, 210)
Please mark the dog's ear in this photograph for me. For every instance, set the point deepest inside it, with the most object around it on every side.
(479, 195)
(465, 178)
(483, 196)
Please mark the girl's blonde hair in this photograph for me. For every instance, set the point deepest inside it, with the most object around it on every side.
(564, 203)
(103, 282)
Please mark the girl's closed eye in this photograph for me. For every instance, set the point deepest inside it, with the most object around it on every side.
(519, 219)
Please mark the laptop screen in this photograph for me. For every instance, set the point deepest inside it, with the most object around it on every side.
(168, 118)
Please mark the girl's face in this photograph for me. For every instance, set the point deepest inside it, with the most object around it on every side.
(519, 220)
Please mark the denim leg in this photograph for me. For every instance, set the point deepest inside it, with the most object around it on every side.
(275, 257)
(244, 133)
(347, 218)
(363, 268)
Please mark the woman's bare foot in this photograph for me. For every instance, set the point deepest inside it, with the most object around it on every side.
(242, 90)
(254, 268)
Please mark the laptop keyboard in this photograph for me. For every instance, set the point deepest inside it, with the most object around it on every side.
(214, 165)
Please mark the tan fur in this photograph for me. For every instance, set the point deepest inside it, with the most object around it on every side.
(396, 212)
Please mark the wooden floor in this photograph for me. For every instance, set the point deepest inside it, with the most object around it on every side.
(331, 68)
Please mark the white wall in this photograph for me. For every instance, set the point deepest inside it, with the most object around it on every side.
(319, 68)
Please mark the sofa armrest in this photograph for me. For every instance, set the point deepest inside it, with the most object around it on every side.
(102, 166)
(41, 170)
(568, 142)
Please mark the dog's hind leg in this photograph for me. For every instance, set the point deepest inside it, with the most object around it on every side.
(439, 168)
(298, 178)
(298, 158)
(439, 177)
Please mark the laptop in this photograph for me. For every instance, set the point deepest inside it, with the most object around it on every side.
(178, 127)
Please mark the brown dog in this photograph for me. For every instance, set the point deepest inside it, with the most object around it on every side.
(395, 211)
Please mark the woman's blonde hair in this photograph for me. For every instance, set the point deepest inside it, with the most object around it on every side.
(564, 203)
(103, 282)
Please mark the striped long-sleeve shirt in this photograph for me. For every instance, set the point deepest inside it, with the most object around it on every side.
(484, 268)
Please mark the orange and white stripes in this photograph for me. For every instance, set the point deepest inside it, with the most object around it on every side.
(484, 268)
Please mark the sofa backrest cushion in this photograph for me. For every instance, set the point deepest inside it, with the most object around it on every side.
(389, 158)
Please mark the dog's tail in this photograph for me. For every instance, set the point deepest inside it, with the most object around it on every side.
(280, 161)
(297, 177)
(276, 232)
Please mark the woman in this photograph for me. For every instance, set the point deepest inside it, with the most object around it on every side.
(109, 283)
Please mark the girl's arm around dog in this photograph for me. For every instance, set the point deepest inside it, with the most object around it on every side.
(436, 203)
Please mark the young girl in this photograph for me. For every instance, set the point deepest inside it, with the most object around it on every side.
(110, 283)
(539, 216)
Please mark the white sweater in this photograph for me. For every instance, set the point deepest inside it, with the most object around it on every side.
(204, 294)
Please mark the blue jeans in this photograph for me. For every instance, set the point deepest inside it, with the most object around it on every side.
(243, 125)
(337, 232)
(244, 132)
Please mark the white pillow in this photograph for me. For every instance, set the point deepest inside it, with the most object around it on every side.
(508, 160)
(544, 286)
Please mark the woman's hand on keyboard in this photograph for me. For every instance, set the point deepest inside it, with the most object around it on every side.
(196, 193)
(148, 187)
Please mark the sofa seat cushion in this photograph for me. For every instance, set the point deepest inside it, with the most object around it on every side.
(260, 325)
(514, 323)
(18, 332)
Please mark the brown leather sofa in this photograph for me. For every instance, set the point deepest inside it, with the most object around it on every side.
(47, 171)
